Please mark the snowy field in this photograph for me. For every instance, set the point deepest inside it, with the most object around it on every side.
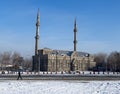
(59, 87)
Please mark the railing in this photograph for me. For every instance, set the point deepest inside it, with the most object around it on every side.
(62, 72)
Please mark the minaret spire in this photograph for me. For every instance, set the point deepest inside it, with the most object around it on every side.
(75, 31)
(37, 33)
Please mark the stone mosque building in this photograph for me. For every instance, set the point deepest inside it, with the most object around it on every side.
(60, 60)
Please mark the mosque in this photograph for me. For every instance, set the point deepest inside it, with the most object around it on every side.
(60, 60)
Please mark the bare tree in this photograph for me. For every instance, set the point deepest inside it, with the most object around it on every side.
(0, 61)
(114, 61)
(6, 58)
(28, 64)
(15, 57)
(16, 60)
(100, 60)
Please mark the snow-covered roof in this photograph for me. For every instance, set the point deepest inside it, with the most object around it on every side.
(68, 53)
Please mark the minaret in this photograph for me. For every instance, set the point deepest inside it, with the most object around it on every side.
(37, 33)
(75, 31)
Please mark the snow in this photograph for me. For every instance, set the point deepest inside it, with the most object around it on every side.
(58, 87)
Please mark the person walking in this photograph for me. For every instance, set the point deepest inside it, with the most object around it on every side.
(19, 75)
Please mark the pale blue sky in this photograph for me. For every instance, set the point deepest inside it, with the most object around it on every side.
(98, 23)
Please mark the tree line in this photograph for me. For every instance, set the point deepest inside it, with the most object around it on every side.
(14, 60)
(107, 62)
(104, 62)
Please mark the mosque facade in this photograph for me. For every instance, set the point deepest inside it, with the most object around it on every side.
(60, 60)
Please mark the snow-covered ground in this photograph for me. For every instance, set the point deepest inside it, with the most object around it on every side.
(59, 87)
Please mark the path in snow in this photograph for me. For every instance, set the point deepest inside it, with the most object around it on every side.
(59, 87)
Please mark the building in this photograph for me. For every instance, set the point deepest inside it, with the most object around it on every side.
(59, 60)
